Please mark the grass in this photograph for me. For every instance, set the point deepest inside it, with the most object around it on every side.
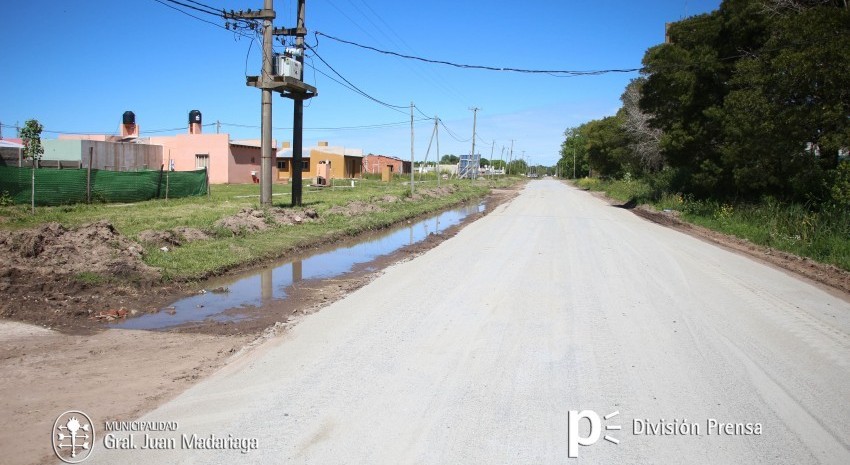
(822, 234)
(196, 260)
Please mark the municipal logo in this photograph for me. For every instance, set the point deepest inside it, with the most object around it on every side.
(73, 436)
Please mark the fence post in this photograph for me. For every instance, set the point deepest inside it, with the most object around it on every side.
(88, 176)
(32, 200)
(159, 181)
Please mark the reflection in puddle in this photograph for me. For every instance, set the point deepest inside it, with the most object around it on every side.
(269, 284)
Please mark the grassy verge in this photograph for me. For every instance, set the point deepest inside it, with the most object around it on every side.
(225, 251)
(822, 234)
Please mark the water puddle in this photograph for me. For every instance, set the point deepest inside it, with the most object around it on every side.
(245, 294)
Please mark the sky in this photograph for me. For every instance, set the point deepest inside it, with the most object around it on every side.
(77, 66)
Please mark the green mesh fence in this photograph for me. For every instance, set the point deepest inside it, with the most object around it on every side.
(67, 186)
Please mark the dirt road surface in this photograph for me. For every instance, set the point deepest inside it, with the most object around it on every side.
(477, 351)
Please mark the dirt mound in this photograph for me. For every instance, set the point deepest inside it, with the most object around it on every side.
(389, 199)
(53, 250)
(175, 237)
(46, 272)
(247, 220)
(356, 207)
(289, 217)
(252, 220)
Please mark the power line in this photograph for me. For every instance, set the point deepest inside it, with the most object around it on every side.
(234, 30)
(483, 67)
(452, 134)
(338, 128)
(213, 13)
(355, 88)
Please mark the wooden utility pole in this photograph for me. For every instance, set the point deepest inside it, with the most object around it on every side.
(492, 147)
(474, 122)
(511, 154)
(411, 148)
(437, 136)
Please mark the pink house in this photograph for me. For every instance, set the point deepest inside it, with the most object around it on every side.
(228, 161)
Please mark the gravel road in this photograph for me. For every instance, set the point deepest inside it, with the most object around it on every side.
(477, 351)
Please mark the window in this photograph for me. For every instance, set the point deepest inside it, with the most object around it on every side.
(202, 161)
(282, 165)
(305, 165)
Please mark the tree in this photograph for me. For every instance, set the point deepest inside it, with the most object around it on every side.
(687, 81)
(786, 117)
(517, 167)
(645, 139)
(574, 148)
(608, 147)
(449, 159)
(31, 135)
(483, 162)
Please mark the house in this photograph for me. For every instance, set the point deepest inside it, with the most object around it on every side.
(374, 164)
(71, 152)
(11, 152)
(344, 162)
(228, 161)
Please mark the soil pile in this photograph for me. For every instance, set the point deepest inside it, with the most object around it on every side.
(252, 220)
(289, 217)
(52, 275)
(354, 208)
(174, 237)
(53, 250)
(246, 221)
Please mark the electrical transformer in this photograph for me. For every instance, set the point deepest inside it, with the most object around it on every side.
(288, 67)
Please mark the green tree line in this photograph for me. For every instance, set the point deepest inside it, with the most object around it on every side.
(749, 101)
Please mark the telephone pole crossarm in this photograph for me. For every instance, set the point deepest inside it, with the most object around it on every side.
(250, 14)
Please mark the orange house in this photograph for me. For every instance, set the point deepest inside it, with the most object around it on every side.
(345, 163)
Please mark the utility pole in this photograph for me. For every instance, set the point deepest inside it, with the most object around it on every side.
(217, 126)
(266, 124)
(437, 136)
(511, 155)
(289, 85)
(298, 110)
(411, 148)
(502, 161)
(474, 121)
(492, 147)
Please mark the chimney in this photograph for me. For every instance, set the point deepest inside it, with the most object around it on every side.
(129, 128)
(194, 122)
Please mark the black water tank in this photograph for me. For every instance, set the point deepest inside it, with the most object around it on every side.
(194, 117)
(129, 117)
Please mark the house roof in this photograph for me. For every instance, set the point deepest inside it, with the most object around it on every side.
(9, 144)
(287, 153)
(385, 156)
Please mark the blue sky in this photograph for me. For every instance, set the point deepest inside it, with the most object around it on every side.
(82, 64)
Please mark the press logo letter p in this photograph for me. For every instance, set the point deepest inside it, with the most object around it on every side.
(574, 438)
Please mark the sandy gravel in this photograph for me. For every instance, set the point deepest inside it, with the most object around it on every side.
(476, 351)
